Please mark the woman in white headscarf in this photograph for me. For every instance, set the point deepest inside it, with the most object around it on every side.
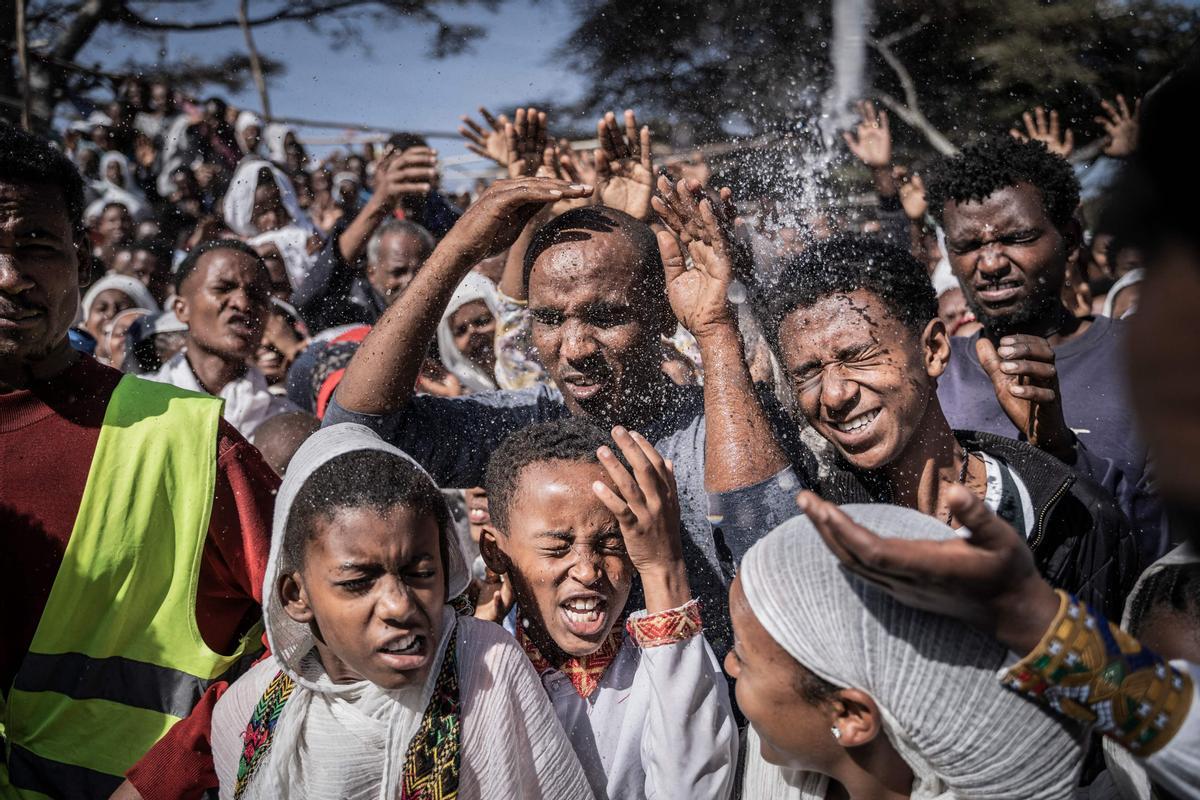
(260, 201)
(841, 682)
(105, 300)
(116, 185)
(375, 688)
(249, 131)
(466, 335)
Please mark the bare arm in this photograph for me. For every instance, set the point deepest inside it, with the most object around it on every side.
(739, 446)
(382, 374)
(398, 175)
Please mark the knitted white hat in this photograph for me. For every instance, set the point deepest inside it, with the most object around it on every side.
(934, 679)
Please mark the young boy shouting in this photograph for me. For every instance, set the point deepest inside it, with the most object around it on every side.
(640, 695)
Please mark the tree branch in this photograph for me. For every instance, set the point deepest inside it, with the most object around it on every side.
(910, 109)
(131, 17)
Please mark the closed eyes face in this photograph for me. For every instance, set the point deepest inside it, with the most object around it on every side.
(858, 376)
(570, 571)
(372, 587)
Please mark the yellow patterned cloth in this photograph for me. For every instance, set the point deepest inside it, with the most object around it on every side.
(665, 627)
(1094, 672)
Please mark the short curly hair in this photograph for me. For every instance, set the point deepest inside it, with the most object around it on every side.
(28, 158)
(570, 439)
(843, 264)
(996, 163)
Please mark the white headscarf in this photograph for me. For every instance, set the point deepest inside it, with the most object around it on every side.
(132, 288)
(473, 287)
(318, 748)
(130, 195)
(935, 681)
(239, 199)
(292, 243)
(276, 138)
(244, 120)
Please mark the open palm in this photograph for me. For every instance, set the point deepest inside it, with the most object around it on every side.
(624, 171)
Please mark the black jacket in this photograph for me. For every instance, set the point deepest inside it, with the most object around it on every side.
(1080, 541)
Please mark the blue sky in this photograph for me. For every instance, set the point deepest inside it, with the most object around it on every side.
(392, 83)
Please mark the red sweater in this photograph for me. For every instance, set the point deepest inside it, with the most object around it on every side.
(48, 436)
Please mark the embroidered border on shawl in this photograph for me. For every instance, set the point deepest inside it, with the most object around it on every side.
(665, 627)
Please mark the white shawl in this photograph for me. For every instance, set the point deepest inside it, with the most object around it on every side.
(350, 740)
(248, 400)
(292, 239)
(961, 732)
(473, 287)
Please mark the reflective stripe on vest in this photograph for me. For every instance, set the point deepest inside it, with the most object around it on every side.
(118, 658)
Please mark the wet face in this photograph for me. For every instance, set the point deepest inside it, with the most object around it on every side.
(1009, 257)
(400, 256)
(566, 558)
(793, 732)
(594, 328)
(224, 303)
(40, 264)
(115, 225)
(107, 305)
(373, 588)
(268, 213)
(474, 330)
(859, 376)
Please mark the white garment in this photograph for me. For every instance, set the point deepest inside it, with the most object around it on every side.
(350, 740)
(1177, 766)
(1131, 278)
(960, 731)
(132, 288)
(239, 198)
(473, 287)
(276, 139)
(129, 195)
(659, 725)
(248, 401)
(292, 242)
(244, 120)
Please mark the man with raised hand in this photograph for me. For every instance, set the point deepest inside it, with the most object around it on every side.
(599, 305)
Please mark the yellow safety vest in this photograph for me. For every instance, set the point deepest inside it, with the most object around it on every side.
(117, 658)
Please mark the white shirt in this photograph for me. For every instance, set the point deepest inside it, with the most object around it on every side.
(659, 726)
(248, 401)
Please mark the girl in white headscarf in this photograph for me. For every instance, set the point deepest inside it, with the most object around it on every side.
(466, 335)
(842, 682)
(260, 200)
(375, 688)
(105, 300)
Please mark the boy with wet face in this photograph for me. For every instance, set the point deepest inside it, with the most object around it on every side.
(572, 525)
(854, 323)
(378, 687)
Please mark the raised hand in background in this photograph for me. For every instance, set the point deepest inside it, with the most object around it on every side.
(1045, 129)
(490, 144)
(1120, 127)
(624, 171)
(871, 140)
(525, 142)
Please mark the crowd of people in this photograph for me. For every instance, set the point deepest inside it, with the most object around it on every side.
(601, 480)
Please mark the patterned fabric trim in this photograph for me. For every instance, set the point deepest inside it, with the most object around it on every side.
(1094, 672)
(432, 762)
(256, 741)
(584, 672)
(431, 765)
(665, 627)
(462, 605)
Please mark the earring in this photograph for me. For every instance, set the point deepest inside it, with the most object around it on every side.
(837, 732)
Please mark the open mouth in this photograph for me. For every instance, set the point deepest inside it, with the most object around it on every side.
(1000, 293)
(585, 616)
(582, 387)
(856, 430)
(404, 652)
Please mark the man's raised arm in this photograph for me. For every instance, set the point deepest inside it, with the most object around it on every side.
(381, 377)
